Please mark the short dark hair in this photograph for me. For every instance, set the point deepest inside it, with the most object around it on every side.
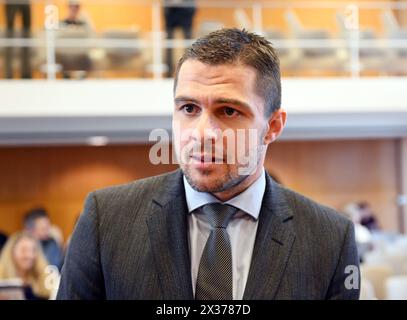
(32, 215)
(234, 46)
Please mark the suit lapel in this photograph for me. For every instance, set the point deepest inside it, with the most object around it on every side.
(273, 244)
(167, 227)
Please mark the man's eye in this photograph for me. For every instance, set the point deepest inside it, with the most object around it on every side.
(189, 108)
(230, 112)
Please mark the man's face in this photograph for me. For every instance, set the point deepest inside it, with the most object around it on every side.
(209, 100)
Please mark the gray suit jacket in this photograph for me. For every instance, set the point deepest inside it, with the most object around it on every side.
(131, 242)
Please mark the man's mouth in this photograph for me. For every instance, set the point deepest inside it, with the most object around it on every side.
(206, 158)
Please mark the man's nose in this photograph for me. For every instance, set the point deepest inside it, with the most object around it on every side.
(206, 128)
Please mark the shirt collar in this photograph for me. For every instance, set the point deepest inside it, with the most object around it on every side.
(248, 201)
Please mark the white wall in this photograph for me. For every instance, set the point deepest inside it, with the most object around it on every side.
(127, 110)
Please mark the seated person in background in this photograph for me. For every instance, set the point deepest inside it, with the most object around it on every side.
(75, 17)
(38, 224)
(75, 25)
(56, 234)
(3, 239)
(22, 258)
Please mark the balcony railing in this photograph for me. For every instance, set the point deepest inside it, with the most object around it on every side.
(334, 43)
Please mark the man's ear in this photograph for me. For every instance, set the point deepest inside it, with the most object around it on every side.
(275, 125)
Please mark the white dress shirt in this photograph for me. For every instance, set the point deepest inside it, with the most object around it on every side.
(241, 229)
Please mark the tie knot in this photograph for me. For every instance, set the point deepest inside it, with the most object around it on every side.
(219, 214)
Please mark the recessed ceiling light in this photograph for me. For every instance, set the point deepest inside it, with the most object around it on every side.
(97, 141)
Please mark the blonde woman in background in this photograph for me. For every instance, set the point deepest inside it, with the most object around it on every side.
(22, 258)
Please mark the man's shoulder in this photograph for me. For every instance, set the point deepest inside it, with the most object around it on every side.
(138, 189)
(310, 214)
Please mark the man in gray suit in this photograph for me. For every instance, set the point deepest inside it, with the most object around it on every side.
(217, 228)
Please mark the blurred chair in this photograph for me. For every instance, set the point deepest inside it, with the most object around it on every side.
(396, 288)
(394, 31)
(242, 21)
(73, 59)
(377, 275)
(366, 290)
(397, 260)
(316, 57)
(208, 26)
(364, 32)
(392, 26)
(396, 57)
(289, 59)
(276, 35)
(393, 254)
(375, 257)
(302, 33)
(390, 251)
(122, 58)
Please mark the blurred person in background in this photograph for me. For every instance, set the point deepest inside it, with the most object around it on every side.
(12, 10)
(75, 16)
(22, 258)
(75, 24)
(38, 224)
(367, 216)
(56, 234)
(177, 17)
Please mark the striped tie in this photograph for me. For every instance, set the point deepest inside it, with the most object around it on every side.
(215, 280)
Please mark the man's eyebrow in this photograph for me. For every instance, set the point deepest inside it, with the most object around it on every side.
(182, 99)
(229, 101)
(235, 102)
